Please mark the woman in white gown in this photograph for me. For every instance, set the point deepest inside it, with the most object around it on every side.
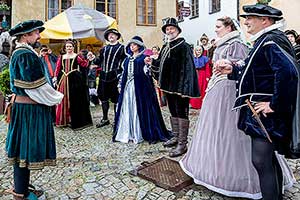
(138, 115)
(219, 156)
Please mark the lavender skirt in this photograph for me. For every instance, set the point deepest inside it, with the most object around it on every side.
(219, 156)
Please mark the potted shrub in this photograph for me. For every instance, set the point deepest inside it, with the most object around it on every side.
(4, 8)
(4, 87)
(4, 82)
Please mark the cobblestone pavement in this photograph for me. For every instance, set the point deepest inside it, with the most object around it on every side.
(90, 166)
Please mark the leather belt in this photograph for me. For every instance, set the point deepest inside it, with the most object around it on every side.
(24, 99)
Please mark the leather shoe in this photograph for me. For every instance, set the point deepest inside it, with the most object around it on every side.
(103, 122)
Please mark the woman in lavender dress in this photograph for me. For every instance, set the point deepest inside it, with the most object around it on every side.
(219, 157)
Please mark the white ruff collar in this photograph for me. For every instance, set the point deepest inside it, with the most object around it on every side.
(278, 25)
(227, 37)
(25, 45)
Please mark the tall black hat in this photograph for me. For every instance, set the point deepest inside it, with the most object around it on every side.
(262, 10)
(170, 22)
(112, 30)
(26, 27)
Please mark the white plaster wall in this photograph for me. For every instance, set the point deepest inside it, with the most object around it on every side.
(192, 29)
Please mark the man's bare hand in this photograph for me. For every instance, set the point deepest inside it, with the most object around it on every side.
(263, 107)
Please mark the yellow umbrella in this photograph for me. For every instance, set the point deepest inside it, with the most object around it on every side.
(84, 24)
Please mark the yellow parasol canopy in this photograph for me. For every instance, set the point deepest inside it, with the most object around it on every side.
(84, 24)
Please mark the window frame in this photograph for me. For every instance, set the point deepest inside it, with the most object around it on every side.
(213, 10)
(106, 8)
(194, 7)
(146, 16)
(179, 16)
(59, 8)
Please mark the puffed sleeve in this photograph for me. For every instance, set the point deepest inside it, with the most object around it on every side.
(31, 73)
(82, 62)
(237, 51)
(58, 66)
(45, 94)
(32, 79)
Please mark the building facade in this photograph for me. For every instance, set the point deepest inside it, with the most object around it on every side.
(5, 15)
(204, 13)
(203, 16)
(289, 8)
(134, 17)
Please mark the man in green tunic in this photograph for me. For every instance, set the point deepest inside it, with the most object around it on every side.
(30, 140)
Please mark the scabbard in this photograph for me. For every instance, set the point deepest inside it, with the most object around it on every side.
(256, 116)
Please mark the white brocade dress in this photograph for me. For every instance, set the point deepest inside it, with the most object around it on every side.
(129, 127)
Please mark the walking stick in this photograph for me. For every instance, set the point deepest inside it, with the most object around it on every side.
(256, 116)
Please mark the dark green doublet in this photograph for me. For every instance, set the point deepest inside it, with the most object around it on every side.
(30, 138)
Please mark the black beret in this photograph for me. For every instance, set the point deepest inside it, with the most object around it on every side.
(262, 10)
(26, 27)
(112, 30)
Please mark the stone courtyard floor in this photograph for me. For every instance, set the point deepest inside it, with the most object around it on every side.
(90, 166)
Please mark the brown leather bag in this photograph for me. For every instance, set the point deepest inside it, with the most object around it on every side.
(8, 108)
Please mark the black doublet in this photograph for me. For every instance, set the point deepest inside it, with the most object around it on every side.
(110, 59)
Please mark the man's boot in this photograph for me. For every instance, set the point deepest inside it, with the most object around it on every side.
(104, 121)
(115, 112)
(181, 147)
(175, 128)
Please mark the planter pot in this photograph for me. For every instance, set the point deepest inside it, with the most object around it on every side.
(4, 12)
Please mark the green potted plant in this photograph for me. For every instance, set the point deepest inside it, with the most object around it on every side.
(263, 1)
(4, 8)
(4, 88)
(4, 82)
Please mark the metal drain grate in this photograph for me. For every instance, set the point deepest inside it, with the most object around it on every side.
(165, 173)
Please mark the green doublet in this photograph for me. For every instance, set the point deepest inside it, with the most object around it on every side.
(30, 138)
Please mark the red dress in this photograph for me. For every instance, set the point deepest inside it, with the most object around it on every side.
(204, 73)
(74, 108)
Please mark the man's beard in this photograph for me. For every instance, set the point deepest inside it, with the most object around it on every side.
(172, 36)
(36, 45)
